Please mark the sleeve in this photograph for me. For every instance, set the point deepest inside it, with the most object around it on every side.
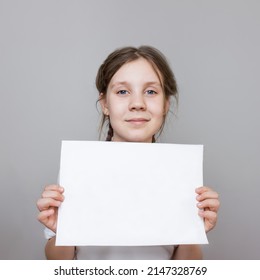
(49, 233)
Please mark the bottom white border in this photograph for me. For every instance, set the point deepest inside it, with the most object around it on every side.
(206, 269)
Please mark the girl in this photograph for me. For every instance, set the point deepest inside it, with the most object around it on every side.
(135, 86)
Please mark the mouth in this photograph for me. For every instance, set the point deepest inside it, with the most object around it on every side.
(137, 120)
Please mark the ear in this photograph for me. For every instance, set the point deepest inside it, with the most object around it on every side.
(103, 104)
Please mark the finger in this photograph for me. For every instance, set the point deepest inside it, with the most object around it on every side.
(53, 194)
(46, 203)
(54, 188)
(209, 203)
(49, 218)
(202, 189)
(207, 195)
(43, 216)
(210, 218)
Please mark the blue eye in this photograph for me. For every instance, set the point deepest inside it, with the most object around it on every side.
(151, 92)
(122, 92)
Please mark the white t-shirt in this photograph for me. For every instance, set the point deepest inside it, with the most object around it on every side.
(120, 252)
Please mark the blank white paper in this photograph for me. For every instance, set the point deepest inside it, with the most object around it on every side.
(130, 194)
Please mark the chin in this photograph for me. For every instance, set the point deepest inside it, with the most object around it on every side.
(135, 136)
(140, 139)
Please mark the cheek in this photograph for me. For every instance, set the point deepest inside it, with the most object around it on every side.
(116, 108)
(157, 108)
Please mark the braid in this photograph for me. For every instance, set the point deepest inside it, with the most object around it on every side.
(110, 133)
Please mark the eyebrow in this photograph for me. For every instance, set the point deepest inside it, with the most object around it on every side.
(125, 83)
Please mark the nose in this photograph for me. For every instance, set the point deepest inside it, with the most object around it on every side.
(137, 102)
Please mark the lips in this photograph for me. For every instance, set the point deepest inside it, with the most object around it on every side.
(137, 120)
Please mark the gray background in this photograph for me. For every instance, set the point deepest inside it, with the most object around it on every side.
(49, 55)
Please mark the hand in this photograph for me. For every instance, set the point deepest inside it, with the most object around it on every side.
(208, 204)
(48, 204)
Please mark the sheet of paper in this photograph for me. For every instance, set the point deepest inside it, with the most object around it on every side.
(129, 194)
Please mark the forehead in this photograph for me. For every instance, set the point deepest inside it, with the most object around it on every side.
(139, 70)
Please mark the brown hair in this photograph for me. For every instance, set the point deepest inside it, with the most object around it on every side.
(127, 54)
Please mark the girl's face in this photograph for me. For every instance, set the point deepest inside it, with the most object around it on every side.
(135, 102)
